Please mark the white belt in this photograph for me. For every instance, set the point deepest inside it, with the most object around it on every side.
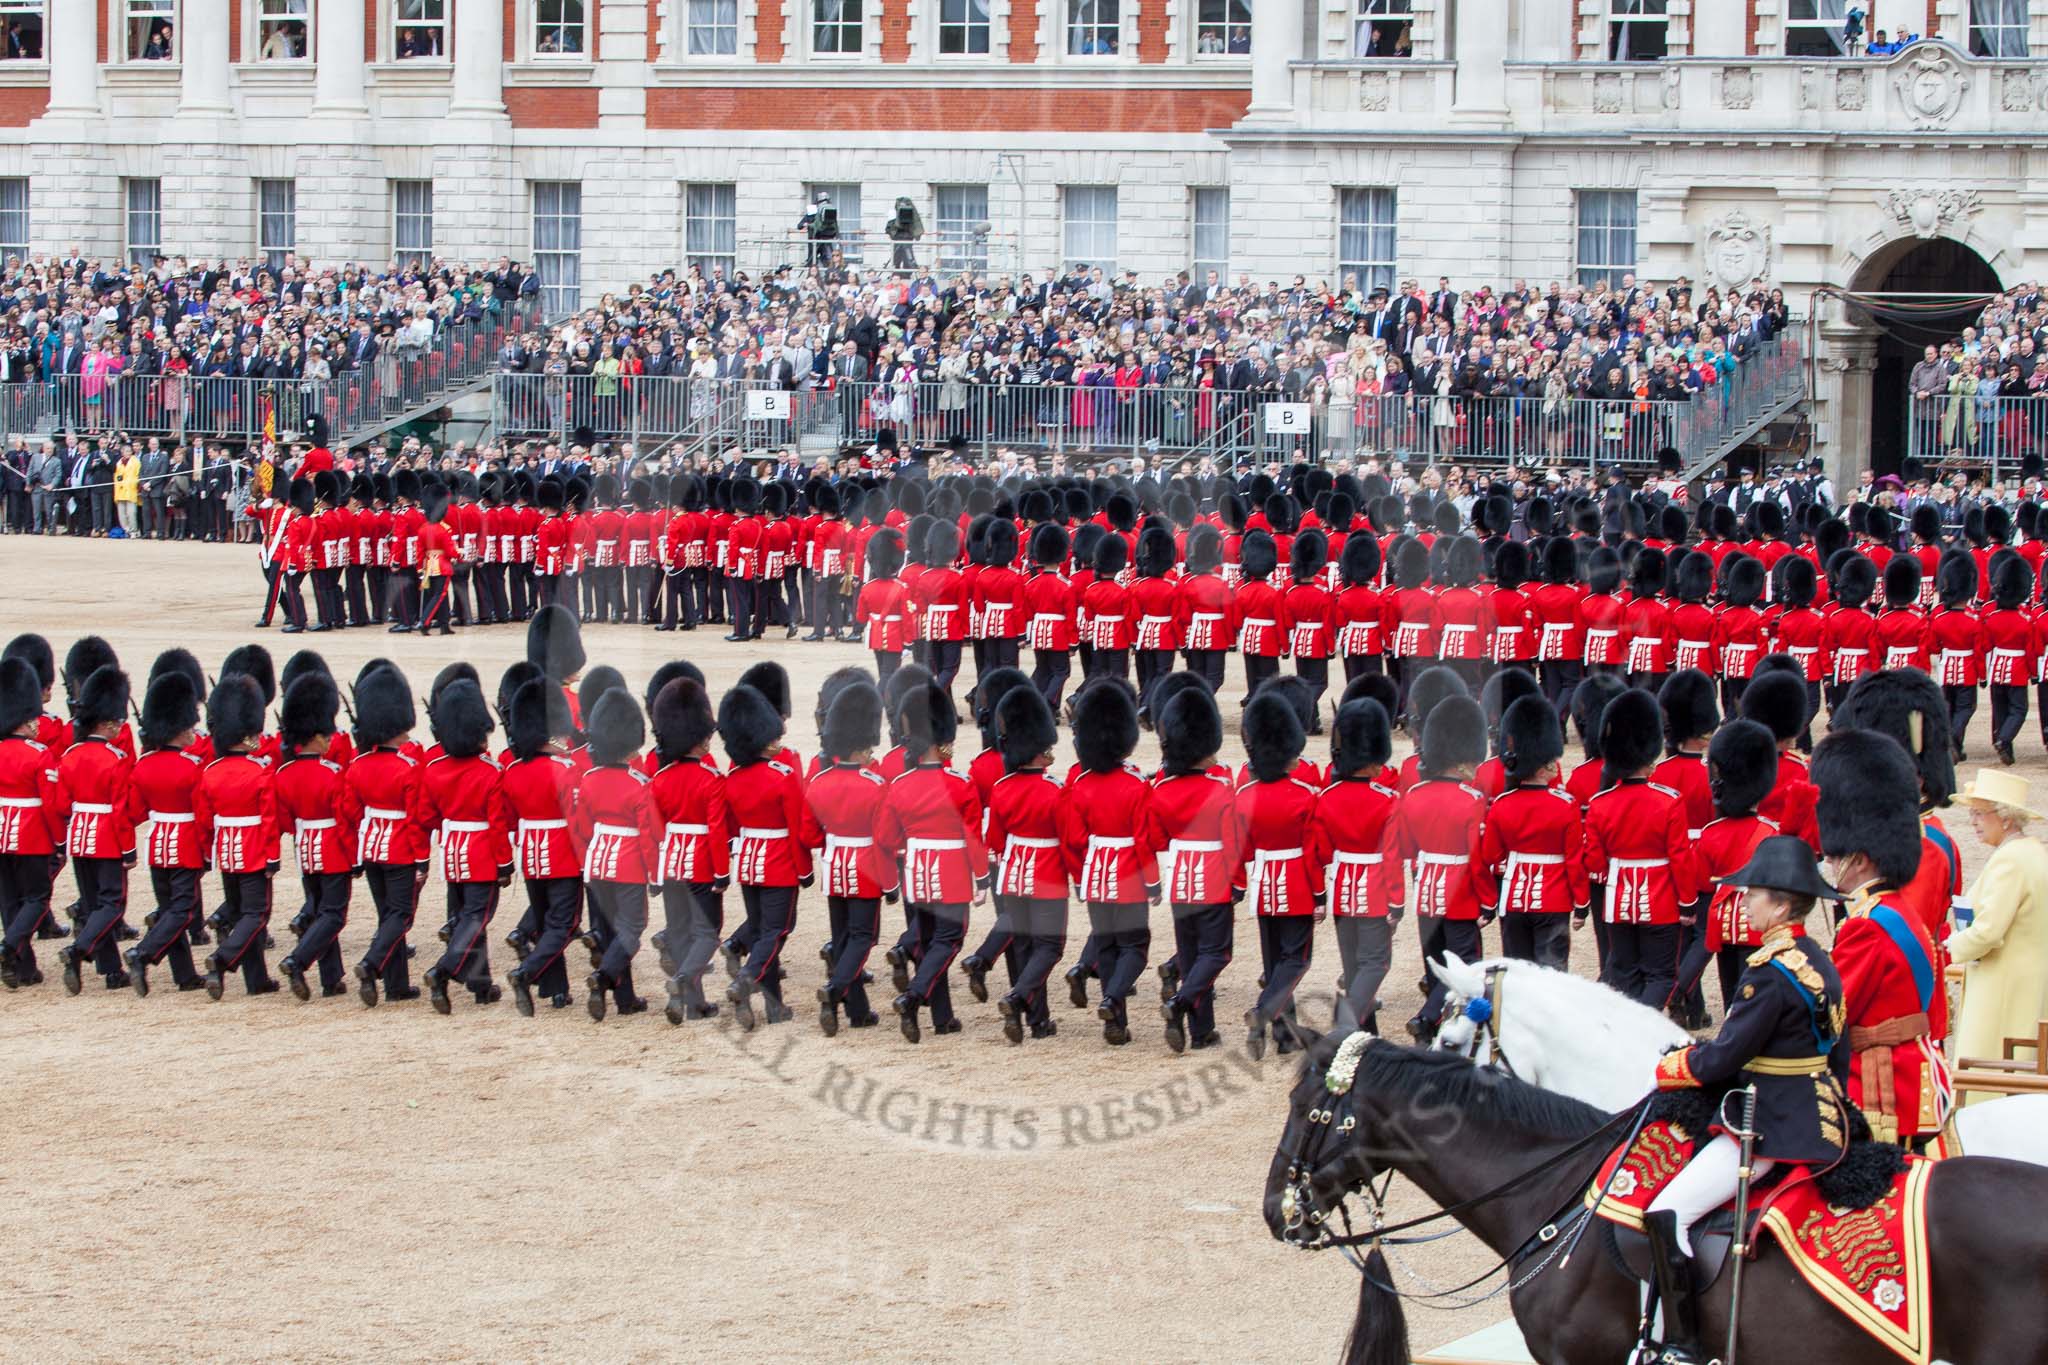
(1636, 864)
(833, 842)
(891, 618)
(1142, 620)
(1945, 654)
(1276, 855)
(1859, 653)
(527, 826)
(1019, 841)
(1441, 859)
(1260, 621)
(1204, 616)
(687, 829)
(21, 802)
(1176, 846)
(1041, 616)
(1111, 620)
(932, 845)
(764, 834)
(1096, 841)
(236, 821)
(937, 608)
(464, 826)
(617, 831)
(1600, 636)
(1996, 653)
(1355, 859)
(165, 817)
(1461, 630)
(1536, 859)
(1694, 644)
(83, 808)
(1694, 834)
(372, 812)
(301, 828)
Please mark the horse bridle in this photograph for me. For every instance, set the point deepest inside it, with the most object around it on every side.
(1485, 1011)
(1298, 1200)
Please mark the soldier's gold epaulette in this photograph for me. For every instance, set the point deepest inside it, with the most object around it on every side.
(1775, 945)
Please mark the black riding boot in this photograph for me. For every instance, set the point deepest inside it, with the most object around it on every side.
(1673, 1268)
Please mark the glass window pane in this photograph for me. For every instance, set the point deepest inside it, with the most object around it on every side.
(1093, 28)
(412, 225)
(1089, 222)
(419, 29)
(558, 28)
(145, 220)
(711, 229)
(836, 26)
(14, 217)
(1366, 237)
(21, 21)
(1211, 234)
(714, 28)
(276, 220)
(960, 217)
(1606, 235)
(558, 244)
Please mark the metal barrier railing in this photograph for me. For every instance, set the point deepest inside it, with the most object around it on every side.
(238, 409)
(2000, 436)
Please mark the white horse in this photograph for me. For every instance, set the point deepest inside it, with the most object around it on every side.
(1564, 1033)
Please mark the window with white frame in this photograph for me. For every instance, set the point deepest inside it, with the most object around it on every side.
(1366, 240)
(1998, 28)
(711, 28)
(963, 28)
(419, 30)
(1637, 30)
(149, 30)
(21, 21)
(711, 228)
(1210, 212)
(1817, 28)
(145, 199)
(284, 30)
(559, 28)
(1383, 28)
(1094, 28)
(1607, 235)
(412, 222)
(845, 205)
(1223, 28)
(558, 245)
(14, 217)
(836, 28)
(960, 218)
(277, 220)
(1088, 225)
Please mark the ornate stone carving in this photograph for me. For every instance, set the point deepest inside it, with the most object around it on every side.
(1738, 87)
(1738, 249)
(2016, 91)
(1375, 92)
(1930, 85)
(1852, 88)
(1607, 93)
(1809, 87)
(1668, 80)
(1932, 213)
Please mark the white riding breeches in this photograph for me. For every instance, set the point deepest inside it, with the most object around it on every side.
(1707, 1182)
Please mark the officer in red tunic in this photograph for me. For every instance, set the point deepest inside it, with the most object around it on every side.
(1777, 700)
(1283, 864)
(1028, 864)
(930, 823)
(1602, 624)
(1869, 825)
(1801, 632)
(31, 831)
(536, 794)
(1312, 619)
(765, 814)
(1850, 630)
(1436, 830)
(457, 798)
(1260, 611)
(438, 557)
(940, 603)
(1203, 607)
(1531, 869)
(1959, 645)
(1636, 840)
(1554, 616)
(696, 867)
(1153, 604)
(236, 818)
(883, 607)
(1102, 828)
(1106, 618)
(615, 824)
(161, 795)
(998, 597)
(1510, 640)
(1742, 764)
(1050, 608)
(1352, 815)
(378, 802)
(841, 804)
(1359, 608)
(309, 799)
(1646, 622)
(2008, 650)
(94, 783)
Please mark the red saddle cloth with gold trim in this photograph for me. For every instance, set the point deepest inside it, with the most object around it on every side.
(1870, 1263)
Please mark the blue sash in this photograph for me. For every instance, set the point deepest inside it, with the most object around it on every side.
(1947, 846)
(1900, 933)
(1821, 1042)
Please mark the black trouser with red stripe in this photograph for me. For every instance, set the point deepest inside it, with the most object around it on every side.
(1365, 950)
(557, 907)
(856, 922)
(618, 917)
(1461, 936)
(394, 889)
(1357, 665)
(177, 910)
(940, 930)
(102, 901)
(695, 915)
(2008, 711)
(1544, 939)
(467, 959)
(1002, 933)
(1286, 945)
(1110, 663)
(1039, 943)
(320, 946)
(1208, 663)
(1126, 934)
(1203, 938)
(771, 915)
(355, 579)
(248, 905)
(1153, 664)
(1962, 705)
(24, 905)
(1642, 961)
(1050, 669)
(435, 604)
(1258, 668)
(1316, 673)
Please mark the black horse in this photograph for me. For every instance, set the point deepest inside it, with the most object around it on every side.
(1458, 1132)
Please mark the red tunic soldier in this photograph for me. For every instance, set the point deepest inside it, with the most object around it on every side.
(1028, 858)
(1742, 763)
(1102, 829)
(1511, 640)
(843, 801)
(1284, 861)
(1204, 608)
(31, 831)
(162, 793)
(309, 799)
(537, 788)
(1312, 617)
(1436, 830)
(1959, 647)
(378, 802)
(1636, 842)
(1531, 867)
(456, 796)
(1554, 616)
(1351, 817)
(94, 786)
(1646, 622)
(1903, 637)
(235, 816)
(2009, 650)
(765, 816)
(619, 831)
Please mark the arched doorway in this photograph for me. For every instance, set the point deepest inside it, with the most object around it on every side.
(1934, 266)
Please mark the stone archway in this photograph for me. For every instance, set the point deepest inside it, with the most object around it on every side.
(1911, 265)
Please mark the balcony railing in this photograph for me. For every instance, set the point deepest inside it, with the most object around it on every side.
(1999, 436)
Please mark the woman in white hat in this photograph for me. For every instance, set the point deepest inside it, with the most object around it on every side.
(2005, 994)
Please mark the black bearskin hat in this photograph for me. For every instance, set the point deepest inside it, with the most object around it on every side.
(771, 680)
(1463, 561)
(1111, 554)
(1503, 689)
(1955, 578)
(1258, 556)
(1360, 561)
(1105, 727)
(1454, 736)
(1589, 704)
(1742, 580)
(510, 681)
(176, 660)
(384, 708)
(614, 729)
(1776, 699)
(1024, 727)
(1376, 687)
(1204, 549)
(310, 706)
(234, 713)
(1000, 548)
(926, 719)
(299, 493)
(460, 720)
(1692, 575)
(169, 709)
(1902, 575)
(21, 694)
(749, 725)
(1273, 737)
(1411, 562)
(1907, 705)
(101, 699)
(1308, 556)
(1510, 564)
(1927, 523)
(1190, 726)
(554, 642)
(1155, 552)
(1631, 735)
(1530, 737)
(2012, 582)
(1853, 580)
(1283, 514)
(1742, 766)
(433, 500)
(1429, 687)
(1362, 740)
(598, 681)
(1799, 582)
(683, 668)
(683, 720)
(1672, 526)
(1050, 545)
(1866, 802)
(941, 544)
(1830, 537)
(989, 689)
(1646, 575)
(539, 713)
(87, 656)
(1560, 561)
(885, 553)
(1538, 516)
(1687, 700)
(1603, 571)
(253, 661)
(34, 651)
(1997, 523)
(900, 684)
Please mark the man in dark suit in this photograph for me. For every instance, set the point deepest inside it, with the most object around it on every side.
(1444, 302)
(70, 366)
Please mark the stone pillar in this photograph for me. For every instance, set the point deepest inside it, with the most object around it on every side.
(479, 86)
(203, 59)
(1848, 361)
(1480, 46)
(1720, 30)
(73, 47)
(624, 48)
(339, 69)
(1276, 41)
(1549, 31)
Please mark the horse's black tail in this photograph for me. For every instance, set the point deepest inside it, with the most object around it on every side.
(1379, 1334)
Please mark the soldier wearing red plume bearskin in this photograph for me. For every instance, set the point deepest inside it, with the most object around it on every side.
(459, 793)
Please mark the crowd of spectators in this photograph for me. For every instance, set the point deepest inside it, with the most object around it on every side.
(1960, 389)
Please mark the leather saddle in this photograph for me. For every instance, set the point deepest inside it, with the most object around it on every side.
(1712, 1238)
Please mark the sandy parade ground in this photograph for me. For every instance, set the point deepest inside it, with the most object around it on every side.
(323, 1182)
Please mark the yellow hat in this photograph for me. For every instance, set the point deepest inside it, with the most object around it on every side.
(1999, 788)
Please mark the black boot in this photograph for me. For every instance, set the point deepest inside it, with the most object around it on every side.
(1673, 1268)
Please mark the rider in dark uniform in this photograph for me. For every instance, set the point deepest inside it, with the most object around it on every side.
(1782, 1034)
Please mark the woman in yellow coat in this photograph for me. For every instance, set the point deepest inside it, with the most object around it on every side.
(2005, 994)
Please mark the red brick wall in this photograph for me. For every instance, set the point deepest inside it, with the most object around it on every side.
(895, 21)
(914, 108)
(1024, 31)
(106, 26)
(1749, 29)
(1152, 31)
(20, 104)
(768, 31)
(512, 27)
(235, 53)
(549, 106)
(370, 30)
(653, 29)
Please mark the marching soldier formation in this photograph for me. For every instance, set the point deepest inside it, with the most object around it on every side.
(1692, 659)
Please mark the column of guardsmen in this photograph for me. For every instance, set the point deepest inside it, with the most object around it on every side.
(1691, 663)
